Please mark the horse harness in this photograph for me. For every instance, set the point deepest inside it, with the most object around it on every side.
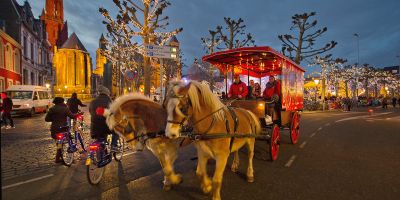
(187, 131)
(128, 129)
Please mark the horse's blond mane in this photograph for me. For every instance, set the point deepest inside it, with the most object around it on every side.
(125, 98)
(210, 99)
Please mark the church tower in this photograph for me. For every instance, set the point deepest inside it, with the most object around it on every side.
(53, 17)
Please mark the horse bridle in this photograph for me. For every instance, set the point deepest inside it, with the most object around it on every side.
(185, 109)
(129, 129)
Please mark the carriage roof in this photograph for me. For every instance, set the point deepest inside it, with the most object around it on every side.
(253, 61)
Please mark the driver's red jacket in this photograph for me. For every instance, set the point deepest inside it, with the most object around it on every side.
(272, 89)
(237, 89)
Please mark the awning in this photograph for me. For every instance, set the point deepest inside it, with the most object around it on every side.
(253, 61)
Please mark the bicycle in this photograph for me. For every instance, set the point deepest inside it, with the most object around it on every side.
(68, 142)
(100, 155)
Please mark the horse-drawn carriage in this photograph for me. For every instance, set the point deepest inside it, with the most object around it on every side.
(259, 63)
(192, 112)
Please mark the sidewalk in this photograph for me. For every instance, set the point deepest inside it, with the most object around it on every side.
(357, 109)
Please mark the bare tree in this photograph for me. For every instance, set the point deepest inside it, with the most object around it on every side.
(235, 29)
(293, 46)
(126, 27)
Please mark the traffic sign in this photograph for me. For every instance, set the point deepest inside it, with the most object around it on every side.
(164, 49)
(161, 51)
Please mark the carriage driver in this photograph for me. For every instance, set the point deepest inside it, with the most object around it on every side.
(272, 91)
(238, 89)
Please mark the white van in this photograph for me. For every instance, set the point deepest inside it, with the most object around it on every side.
(29, 99)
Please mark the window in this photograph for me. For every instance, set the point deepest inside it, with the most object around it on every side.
(40, 57)
(26, 77)
(40, 81)
(32, 52)
(9, 60)
(35, 96)
(19, 94)
(25, 47)
(1, 55)
(32, 78)
(2, 85)
(9, 82)
(17, 62)
(43, 95)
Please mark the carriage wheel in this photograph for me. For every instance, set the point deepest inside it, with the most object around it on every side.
(274, 143)
(295, 128)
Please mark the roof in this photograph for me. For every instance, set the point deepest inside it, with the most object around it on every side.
(73, 42)
(253, 61)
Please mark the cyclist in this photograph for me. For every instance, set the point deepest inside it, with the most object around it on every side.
(58, 115)
(74, 103)
(98, 127)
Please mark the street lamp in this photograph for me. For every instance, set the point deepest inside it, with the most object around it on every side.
(358, 62)
(316, 81)
(358, 48)
(47, 85)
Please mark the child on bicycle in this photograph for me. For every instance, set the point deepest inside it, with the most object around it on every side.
(98, 127)
(58, 115)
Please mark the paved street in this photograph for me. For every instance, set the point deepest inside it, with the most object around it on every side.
(340, 155)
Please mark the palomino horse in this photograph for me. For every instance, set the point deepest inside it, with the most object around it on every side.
(142, 122)
(196, 105)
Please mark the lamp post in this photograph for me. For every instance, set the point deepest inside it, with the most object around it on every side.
(358, 62)
(358, 48)
(316, 81)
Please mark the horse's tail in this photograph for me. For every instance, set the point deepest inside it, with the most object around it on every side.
(256, 123)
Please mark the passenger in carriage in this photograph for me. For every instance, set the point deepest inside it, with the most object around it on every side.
(257, 90)
(272, 91)
(250, 90)
(238, 89)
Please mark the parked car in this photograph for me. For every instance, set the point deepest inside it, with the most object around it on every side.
(29, 99)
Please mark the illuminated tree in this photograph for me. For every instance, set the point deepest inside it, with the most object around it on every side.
(329, 68)
(294, 47)
(125, 29)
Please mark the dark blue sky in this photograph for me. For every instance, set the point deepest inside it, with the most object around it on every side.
(376, 22)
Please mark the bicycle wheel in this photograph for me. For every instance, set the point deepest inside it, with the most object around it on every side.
(93, 172)
(68, 157)
(121, 145)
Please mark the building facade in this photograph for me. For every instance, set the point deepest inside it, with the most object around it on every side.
(10, 61)
(53, 18)
(103, 71)
(36, 58)
(73, 69)
(29, 32)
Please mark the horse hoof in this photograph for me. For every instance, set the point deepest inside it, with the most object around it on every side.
(177, 180)
(206, 189)
(167, 187)
(250, 179)
(234, 169)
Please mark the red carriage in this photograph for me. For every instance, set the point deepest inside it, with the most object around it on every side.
(260, 62)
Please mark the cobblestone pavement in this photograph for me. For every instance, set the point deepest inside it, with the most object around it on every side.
(29, 147)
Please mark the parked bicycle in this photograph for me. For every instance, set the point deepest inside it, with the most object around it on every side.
(68, 142)
(100, 155)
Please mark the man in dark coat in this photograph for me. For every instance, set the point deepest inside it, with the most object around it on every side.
(98, 127)
(7, 107)
(74, 103)
(58, 115)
